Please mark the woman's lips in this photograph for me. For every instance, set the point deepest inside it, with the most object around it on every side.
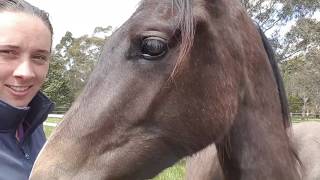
(19, 90)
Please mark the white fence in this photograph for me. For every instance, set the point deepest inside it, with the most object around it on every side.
(305, 116)
(55, 115)
(53, 124)
(50, 124)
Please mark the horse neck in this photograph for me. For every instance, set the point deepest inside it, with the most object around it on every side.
(257, 146)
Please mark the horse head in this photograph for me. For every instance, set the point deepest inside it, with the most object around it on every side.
(177, 76)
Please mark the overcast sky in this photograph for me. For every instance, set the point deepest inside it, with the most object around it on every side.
(81, 17)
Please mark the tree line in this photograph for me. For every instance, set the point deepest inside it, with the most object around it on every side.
(297, 49)
(73, 59)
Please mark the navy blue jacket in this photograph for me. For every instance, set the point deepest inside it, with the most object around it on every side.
(17, 157)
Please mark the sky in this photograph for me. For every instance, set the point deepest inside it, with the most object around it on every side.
(81, 17)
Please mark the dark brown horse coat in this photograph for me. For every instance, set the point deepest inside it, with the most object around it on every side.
(177, 76)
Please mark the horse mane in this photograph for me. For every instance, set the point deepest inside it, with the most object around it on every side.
(281, 90)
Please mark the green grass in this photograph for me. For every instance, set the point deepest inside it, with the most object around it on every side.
(48, 130)
(175, 172)
(53, 120)
(298, 119)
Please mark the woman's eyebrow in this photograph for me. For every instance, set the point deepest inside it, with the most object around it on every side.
(42, 51)
(9, 46)
(5, 46)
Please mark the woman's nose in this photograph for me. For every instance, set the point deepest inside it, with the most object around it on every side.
(24, 70)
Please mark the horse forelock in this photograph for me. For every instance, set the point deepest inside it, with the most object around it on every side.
(185, 25)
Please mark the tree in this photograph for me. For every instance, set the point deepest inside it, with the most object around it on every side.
(72, 62)
(313, 77)
(274, 14)
(273, 17)
(79, 56)
(302, 37)
(295, 103)
(302, 78)
(57, 87)
(294, 46)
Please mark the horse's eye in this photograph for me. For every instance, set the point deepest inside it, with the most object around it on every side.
(153, 48)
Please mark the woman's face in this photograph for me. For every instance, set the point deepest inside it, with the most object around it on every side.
(25, 44)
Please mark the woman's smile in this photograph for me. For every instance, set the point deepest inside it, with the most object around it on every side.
(19, 90)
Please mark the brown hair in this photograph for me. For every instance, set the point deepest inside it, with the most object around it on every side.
(25, 7)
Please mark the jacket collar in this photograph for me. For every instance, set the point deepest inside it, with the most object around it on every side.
(35, 114)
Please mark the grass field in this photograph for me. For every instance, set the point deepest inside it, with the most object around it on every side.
(48, 129)
(298, 120)
(175, 172)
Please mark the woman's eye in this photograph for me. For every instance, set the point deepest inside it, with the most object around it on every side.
(8, 52)
(153, 48)
(40, 59)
